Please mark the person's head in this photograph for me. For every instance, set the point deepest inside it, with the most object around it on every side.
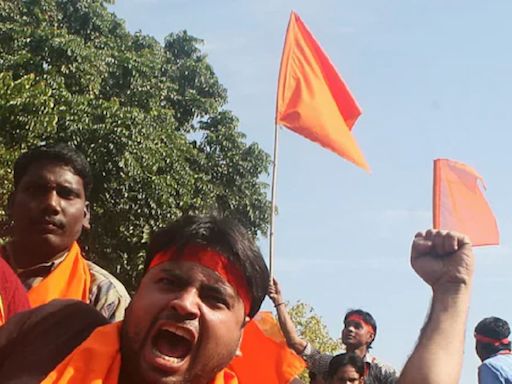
(359, 329)
(315, 378)
(48, 206)
(346, 368)
(204, 279)
(491, 337)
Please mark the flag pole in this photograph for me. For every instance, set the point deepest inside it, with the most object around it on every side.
(273, 202)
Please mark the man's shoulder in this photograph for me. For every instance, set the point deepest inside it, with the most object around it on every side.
(369, 358)
(107, 293)
(499, 360)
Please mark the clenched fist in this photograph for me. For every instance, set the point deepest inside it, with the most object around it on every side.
(443, 259)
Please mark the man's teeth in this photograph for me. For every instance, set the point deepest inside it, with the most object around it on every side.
(174, 360)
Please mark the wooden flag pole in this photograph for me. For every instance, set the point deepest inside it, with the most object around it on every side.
(273, 202)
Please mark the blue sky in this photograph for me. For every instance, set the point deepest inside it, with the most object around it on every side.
(433, 79)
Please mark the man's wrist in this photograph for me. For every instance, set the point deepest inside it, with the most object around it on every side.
(277, 304)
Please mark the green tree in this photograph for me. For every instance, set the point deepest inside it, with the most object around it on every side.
(148, 116)
(310, 327)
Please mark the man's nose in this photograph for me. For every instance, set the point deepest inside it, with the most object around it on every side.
(186, 303)
(52, 202)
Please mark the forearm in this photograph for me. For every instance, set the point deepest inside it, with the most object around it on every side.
(290, 333)
(437, 358)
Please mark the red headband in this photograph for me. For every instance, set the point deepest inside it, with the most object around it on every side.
(359, 318)
(210, 259)
(489, 340)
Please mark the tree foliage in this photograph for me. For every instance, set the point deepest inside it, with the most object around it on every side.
(310, 327)
(148, 116)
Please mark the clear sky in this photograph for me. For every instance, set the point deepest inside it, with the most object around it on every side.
(433, 79)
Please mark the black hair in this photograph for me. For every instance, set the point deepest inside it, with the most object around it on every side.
(225, 236)
(367, 317)
(343, 359)
(59, 153)
(494, 328)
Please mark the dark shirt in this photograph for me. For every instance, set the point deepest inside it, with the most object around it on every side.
(34, 342)
(12, 294)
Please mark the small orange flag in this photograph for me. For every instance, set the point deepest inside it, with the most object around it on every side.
(460, 205)
(312, 98)
(265, 356)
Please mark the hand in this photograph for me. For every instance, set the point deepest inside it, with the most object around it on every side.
(274, 292)
(443, 259)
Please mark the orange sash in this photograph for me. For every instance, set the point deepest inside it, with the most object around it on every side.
(265, 356)
(98, 361)
(70, 280)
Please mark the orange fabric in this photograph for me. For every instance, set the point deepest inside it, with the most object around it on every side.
(213, 260)
(70, 280)
(459, 204)
(265, 355)
(312, 98)
(98, 361)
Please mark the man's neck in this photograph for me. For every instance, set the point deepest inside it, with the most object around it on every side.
(359, 351)
(24, 256)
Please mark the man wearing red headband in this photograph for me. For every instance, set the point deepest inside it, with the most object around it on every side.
(204, 280)
(493, 349)
(357, 335)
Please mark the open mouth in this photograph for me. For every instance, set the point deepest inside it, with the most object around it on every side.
(172, 344)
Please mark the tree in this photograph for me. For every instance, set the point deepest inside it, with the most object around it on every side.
(149, 118)
(310, 327)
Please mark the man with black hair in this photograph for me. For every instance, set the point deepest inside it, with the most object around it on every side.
(358, 334)
(48, 209)
(205, 278)
(493, 347)
(346, 368)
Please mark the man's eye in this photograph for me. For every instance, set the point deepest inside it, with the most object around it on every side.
(217, 300)
(66, 193)
(167, 281)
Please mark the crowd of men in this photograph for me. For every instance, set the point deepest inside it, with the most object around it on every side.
(63, 319)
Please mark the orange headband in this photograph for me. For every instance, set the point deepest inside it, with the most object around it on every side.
(210, 259)
(360, 319)
(489, 340)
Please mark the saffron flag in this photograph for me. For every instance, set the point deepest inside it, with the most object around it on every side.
(459, 203)
(265, 356)
(312, 98)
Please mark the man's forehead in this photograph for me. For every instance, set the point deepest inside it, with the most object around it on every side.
(192, 271)
(48, 167)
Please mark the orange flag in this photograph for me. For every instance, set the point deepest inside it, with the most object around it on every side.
(265, 355)
(459, 203)
(312, 98)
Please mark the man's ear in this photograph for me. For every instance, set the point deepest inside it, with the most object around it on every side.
(87, 216)
(238, 350)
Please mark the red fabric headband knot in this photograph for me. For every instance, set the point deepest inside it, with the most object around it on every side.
(490, 340)
(360, 319)
(210, 259)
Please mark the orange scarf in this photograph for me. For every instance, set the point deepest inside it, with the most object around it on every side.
(98, 361)
(70, 280)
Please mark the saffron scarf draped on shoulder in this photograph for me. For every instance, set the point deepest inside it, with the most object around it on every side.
(98, 361)
(265, 356)
(70, 280)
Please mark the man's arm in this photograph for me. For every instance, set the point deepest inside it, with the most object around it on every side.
(290, 333)
(444, 260)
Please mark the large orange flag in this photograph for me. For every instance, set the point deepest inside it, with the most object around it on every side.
(312, 98)
(265, 355)
(459, 203)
